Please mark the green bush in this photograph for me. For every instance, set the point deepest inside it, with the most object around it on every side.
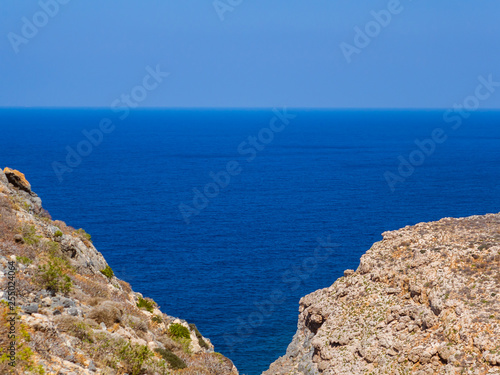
(58, 233)
(51, 276)
(108, 272)
(178, 331)
(134, 357)
(146, 304)
(175, 362)
(202, 342)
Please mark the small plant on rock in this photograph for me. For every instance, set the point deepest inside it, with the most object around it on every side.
(108, 272)
(157, 319)
(178, 331)
(146, 304)
(29, 235)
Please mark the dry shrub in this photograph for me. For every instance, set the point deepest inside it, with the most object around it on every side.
(76, 327)
(25, 284)
(94, 301)
(9, 248)
(66, 229)
(25, 251)
(4, 339)
(65, 322)
(92, 288)
(137, 324)
(193, 371)
(170, 344)
(48, 343)
(8, 219)
(118, 296)
(6, 203)
(106, 312)
(125, 286)
(212, 363)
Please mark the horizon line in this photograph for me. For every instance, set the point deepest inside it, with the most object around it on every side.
(248, 108)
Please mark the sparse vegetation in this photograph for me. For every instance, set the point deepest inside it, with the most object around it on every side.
(174, 361)
(52, 276)
(45, 263)
(29, 234)
(115, 353)
(157, 319)
(75, 327)
(134, 357)
(137, 324)
(107, 312)
(84, 235)
(202, 342)
(146, 304)
(108, 272)
(24, 354)
(24, 260)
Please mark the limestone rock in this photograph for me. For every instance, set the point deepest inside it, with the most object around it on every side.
(17, 179)
(424, 300)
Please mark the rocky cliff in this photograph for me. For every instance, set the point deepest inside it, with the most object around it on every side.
(424, 300)
(62, 310)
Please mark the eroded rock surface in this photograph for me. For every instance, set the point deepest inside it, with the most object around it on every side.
(424, 300)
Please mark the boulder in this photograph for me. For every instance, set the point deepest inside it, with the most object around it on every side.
(17, 179)
(31, 308)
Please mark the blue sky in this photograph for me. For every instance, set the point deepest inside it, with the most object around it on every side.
(264, 53)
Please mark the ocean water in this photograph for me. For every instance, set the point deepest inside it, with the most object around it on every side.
(251, 250)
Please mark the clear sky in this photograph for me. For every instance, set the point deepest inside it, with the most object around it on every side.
(263, 53)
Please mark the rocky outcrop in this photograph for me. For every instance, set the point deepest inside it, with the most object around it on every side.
(424, 300)
(17, 181)
(62, 310)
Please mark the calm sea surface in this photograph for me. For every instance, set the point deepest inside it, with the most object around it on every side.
(251, 249)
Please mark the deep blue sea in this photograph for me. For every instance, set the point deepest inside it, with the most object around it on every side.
(319, 175)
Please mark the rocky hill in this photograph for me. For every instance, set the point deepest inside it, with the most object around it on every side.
(62, 310)
(424, 300)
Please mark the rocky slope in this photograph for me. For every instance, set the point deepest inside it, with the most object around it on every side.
(62, 310)
(424, 300)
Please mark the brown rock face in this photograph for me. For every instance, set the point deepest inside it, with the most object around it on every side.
(17, 179)
(424, 300)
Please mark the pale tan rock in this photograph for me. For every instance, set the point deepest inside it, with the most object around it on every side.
(424, 300)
